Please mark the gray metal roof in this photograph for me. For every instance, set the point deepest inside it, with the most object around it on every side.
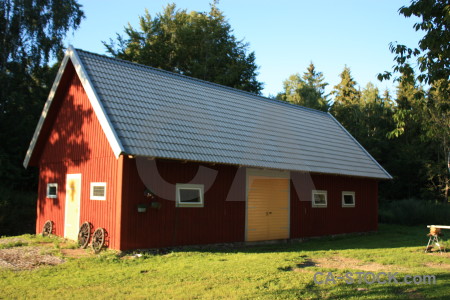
(161, 114)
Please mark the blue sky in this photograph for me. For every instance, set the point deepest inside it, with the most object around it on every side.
(285, 35)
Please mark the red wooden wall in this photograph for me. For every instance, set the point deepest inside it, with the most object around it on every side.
(309, 221)
(222, 219)
(73, 142)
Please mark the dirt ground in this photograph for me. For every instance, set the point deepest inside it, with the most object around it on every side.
(27, 257)
(339, 262)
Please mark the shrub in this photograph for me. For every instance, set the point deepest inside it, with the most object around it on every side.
(414, 212)
(17, 211)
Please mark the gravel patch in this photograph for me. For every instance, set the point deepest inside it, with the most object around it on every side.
(26, 258)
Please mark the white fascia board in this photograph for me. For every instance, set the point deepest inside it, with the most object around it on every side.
(99, 110)
(93, 98)
(387, 175)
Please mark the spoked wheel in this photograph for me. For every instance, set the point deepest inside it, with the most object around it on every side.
(98, 240)
(84, 235)
(47, 229)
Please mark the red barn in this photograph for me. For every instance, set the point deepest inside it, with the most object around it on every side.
(159, 159)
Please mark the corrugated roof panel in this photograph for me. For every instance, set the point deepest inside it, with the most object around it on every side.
(162, 114)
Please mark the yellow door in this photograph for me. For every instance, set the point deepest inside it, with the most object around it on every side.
(72, 211)
(267, 208)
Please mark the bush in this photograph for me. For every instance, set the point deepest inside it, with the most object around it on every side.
(414, 212)
(17, 212)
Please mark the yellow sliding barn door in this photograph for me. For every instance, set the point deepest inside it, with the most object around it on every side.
(72, 210)
(267, 208)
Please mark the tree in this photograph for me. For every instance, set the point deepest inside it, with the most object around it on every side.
(31, 31)
(433, 54)
(196, 44)
(347, 103)
(376, 121)
(31, 34)
(410, 147)
(437, 126)
(433, 60)
(308, 90)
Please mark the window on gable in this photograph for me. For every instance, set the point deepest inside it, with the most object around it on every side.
(98, 190)
(319, 198)
(189, 195)
(52, 190)
(348, 199)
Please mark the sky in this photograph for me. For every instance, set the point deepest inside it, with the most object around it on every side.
(285, 35)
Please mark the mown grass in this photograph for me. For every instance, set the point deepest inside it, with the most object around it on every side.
(259, 272)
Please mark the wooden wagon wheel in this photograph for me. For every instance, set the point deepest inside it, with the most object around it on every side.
(47, 229)
(84, 234)
(98, 239)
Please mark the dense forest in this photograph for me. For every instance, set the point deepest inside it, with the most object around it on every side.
(406, 130)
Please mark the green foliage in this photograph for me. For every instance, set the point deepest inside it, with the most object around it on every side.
(196, 44)
(414, 212)
(31, 33)
(430, 113)
(308, 90)
(433, 54)
(347, 106)
(17, 211)
(422, 136)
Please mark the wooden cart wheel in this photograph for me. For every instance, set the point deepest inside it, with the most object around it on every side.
(47, 229)
(84, 235)
(98, 240)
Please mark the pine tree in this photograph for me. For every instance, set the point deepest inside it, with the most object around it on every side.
(308, 90)
(346, 92)
(347, 106)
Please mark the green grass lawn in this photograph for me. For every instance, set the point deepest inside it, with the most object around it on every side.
(283, 271)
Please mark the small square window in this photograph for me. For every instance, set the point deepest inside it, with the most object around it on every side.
(52, 190)
(348, 199)
(189, 195)
(319, 198)
(98, 190)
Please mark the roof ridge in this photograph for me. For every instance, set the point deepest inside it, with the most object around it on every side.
(235, 90)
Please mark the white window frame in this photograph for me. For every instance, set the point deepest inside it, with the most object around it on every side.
(183, 186)
(348, 193)
(319, 192)
(94, 184)
(49, 185)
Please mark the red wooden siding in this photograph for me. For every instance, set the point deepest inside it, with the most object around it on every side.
(75, 143)
(307, 221)
(220, 220)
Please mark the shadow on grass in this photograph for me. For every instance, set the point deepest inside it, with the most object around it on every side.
(373, 291)
(388, 236)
